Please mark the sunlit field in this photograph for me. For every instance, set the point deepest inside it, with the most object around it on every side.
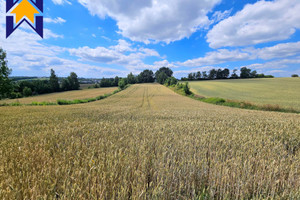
(148, 142)
(69, 95)
(284, 92)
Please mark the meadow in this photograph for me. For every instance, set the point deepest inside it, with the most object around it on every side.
(148, 142)
(69, 95)
(284, 92)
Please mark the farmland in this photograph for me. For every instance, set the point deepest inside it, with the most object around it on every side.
(284, 92)
(69, 95)
(148, 142)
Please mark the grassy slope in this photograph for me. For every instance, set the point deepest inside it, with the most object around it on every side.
(69, 95)
(148, 142)
(282, 91)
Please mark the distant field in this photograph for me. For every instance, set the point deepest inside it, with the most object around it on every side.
(70, 95)
(282, 91)
(86, 86)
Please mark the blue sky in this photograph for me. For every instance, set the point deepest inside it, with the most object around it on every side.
(106, 38)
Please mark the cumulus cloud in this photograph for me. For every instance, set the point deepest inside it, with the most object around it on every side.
(154, 20)
(281, 67)
(279, 51)
(120, 54)
(61, 2)
(219, 16)
(283, 50)
(217, 57)
(261, 22)
(57, 20)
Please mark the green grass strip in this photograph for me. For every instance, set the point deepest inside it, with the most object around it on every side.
(64, 102)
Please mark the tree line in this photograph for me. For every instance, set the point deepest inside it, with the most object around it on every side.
(163, 76)
(17, 89)
(28, 88)
(224, 74)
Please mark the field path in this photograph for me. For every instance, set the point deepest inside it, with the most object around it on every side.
(148, 142)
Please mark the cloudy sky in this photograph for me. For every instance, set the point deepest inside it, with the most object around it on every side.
(105, 38)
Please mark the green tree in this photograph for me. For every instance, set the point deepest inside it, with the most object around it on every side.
(27, 92)
(190, 76)
(226, 73)
(54, 85)
(116, 81)
(295, 75)
(122, 83)
(245, 72)
(5, 83)
(73, 81)
(198, 75)
(212, 74)
(161, 77)
(171, 81)
(253, 74)
(186, 89)
(65, 85)
(219, 74)
(234, 75)
(204, 75)
(166, 70)
(146, 76)
(131, 79)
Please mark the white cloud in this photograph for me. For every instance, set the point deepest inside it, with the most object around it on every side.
(154, 20)
(61, 2)
(218, 15)
(283, 50)
(217, 57)
(276, 64)
(120, 54)
(281, 67)
(57, 20)
(279, 51)
(261, 22)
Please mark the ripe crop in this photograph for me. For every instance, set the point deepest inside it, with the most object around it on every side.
(148, 142)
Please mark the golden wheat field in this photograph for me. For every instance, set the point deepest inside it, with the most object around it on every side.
(69, 95)
(148, 142)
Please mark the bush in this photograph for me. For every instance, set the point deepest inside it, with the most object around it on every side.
(122, 84)
(171, 81)
(44, 103)
(15, 95)
(186, 89)
(269, 76)
(295, 75)
(179, 86)
(27, 92)
(215, 100)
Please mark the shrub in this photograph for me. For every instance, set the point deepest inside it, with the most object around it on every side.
(122, 84)
(186, 89)
(295, 75)
(63, 102)
(171, 81)
(215, 100)
(15, 95)
(27, 92)
(44, 103)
